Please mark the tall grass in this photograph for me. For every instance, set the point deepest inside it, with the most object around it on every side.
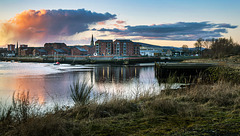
(193, 101)
(80, 92)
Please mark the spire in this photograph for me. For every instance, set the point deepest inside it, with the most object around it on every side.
(92, 42)
(17, 49)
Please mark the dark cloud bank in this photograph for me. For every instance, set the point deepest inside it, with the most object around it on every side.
(183, 31)
(74, 20)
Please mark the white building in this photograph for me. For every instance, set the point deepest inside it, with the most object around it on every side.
(150, 51)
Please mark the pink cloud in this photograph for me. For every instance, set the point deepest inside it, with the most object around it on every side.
(101, 23)
(120, 22)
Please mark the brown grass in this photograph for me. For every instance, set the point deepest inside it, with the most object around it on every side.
(91, 119)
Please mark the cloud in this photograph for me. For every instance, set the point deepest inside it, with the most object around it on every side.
(120, 22)
(183, 31)
(101, 23)
(43, 25)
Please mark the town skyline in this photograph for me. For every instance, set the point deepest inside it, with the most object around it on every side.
(160, 23)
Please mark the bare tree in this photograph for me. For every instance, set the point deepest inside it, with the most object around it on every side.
(199, 44)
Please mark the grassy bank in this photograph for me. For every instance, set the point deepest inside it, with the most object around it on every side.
(199, 109)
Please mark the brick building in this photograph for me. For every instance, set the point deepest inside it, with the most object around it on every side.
(39, 52)
(104, 47)
(55, 45)
(90, 49)
(79, 50)
(57, 52)
(126, 47)
(26, 51)
(120, 47)
(67, 50)
(11, 47)
(23, 45)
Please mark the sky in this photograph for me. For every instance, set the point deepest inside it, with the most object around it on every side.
(158, 22)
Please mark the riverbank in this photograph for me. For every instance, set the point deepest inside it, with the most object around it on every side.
(232, 61)
(97, 59)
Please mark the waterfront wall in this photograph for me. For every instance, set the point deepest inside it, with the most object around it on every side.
(96, 59)
(164, 70)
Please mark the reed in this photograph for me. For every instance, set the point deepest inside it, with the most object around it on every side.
(80, 92)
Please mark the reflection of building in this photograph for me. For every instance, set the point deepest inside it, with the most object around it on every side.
(116, 74)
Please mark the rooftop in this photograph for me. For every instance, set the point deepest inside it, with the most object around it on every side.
(59, 50)
(123, 40)
(42, 50)
(81, 49)
(105, 40)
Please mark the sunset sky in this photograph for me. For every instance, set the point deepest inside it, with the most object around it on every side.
(159, 22)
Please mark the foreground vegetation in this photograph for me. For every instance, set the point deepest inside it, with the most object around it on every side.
(199, 109)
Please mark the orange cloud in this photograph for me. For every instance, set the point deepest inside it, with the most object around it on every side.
(101, 23)
(120, 22)
(47, 25)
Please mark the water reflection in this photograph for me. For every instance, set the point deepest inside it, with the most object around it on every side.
(54, 86)
(115, 74)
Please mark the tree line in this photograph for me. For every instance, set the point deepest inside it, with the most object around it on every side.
(217, 48)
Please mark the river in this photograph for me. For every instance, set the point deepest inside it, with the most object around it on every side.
(51, 84)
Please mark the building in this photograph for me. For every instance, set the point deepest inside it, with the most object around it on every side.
(26, 51)
(23, 45)
(3, 52)
(16, 50)
(67, 50)
(39, 52)
(55, 45)
(78, 50)
(11, 47)
(92, 42)
(50, 46)
(150, 50)
(57, 52)
(57, 48)
(125, 47)
(90, 49)
(104, 47)
(120, 47)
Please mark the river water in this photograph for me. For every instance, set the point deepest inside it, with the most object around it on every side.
(51, 84)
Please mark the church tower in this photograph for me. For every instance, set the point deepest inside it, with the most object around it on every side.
(16, 52)
(92, 42)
